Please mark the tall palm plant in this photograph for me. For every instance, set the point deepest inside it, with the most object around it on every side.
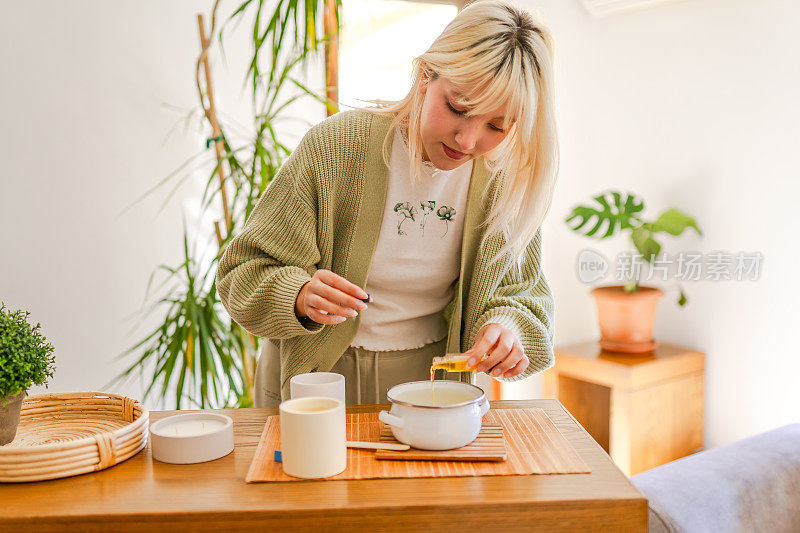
(305, 18)
(208, 359)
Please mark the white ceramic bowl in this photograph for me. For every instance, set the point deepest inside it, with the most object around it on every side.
(428, 427)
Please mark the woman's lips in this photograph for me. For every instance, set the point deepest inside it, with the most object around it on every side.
(452, 153)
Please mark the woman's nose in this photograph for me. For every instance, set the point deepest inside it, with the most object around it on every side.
(466, 137)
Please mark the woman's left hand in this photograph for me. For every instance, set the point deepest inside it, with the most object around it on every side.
(503, 348)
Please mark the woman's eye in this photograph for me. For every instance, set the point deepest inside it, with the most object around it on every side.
(457, 112)
(454, 110)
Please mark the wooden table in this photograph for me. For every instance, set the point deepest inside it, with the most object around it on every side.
(143, 494)
(644, 409)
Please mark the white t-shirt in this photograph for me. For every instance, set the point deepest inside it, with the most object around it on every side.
(418, 256)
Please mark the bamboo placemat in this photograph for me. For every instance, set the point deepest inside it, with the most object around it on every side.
(534, 444)
(489, 445)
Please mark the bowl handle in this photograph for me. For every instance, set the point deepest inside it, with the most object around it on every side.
(390, 419)
(484, 406)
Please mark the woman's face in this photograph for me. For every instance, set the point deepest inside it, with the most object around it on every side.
(450, 138)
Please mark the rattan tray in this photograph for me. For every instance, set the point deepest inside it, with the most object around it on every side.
(73, 433)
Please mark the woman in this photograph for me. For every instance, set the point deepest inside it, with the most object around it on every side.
(432, 205)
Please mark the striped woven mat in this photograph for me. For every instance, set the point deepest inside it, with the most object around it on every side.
(534, 446)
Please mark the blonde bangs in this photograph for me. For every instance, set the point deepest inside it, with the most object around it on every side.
(496, 55)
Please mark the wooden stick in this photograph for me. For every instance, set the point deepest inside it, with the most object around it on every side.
(249, 371)
(378, 445)
(331, 24)
(219, 235)
(211, 114)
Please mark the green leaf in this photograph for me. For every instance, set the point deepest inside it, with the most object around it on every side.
(26, 357)
(674, 222)
(612, 212)
(683, 299)
(645, 244)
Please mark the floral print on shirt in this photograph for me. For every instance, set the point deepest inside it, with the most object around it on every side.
(406, 210)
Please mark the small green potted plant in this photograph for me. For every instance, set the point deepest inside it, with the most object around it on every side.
(25, 358)
(627, 312)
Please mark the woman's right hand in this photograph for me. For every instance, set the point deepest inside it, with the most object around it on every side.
(328, 298)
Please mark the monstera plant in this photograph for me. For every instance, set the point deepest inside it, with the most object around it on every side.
(627, 312)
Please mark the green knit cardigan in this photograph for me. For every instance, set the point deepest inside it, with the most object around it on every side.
(324, 209)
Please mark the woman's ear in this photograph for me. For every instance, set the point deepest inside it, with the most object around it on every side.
(424, 79)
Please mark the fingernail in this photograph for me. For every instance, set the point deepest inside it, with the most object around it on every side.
(472, 361)
(495, 372)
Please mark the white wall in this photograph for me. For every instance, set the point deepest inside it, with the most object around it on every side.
(690, 104)
(95, 97)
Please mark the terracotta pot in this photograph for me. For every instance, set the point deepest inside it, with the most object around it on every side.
(627, 319)
(9, 416)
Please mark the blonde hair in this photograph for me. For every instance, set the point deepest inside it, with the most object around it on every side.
(501, 53)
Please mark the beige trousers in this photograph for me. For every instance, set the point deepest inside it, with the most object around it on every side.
(368, 375)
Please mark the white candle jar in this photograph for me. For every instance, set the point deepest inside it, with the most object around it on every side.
(313, 437)
(191, 438)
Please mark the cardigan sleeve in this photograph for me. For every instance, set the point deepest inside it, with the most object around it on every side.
(265, 266)
(523, 303)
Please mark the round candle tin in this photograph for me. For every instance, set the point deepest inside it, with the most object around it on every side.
(191, 438)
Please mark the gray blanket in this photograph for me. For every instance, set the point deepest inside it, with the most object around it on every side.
(751, 485)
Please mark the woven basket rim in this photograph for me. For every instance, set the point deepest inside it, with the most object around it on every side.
(101, 450)
(88, 395)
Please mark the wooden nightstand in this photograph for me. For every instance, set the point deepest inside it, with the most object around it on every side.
(644, 410)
